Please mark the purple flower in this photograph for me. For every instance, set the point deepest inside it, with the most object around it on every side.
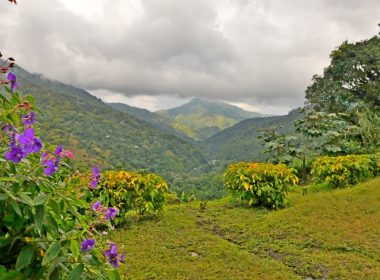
(29, 142)
(28, 119)
(16, 154)
(50, 167)
(58, 150)
(112, 255)
(96, 205)
(95, 177)
(12, 79)
(87, 245)
(22, 144)
(111, 213)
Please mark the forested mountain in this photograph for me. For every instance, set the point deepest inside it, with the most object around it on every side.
(201, 119)
(154, 119)
(100, 135)
(240, 142)
(122, 136)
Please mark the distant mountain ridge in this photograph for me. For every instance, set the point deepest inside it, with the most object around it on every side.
(201, 118)
(154, 119)
(119, 136)
(240, 142)
(100, 135)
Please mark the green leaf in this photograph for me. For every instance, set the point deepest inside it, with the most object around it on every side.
(41, 199)
(25, 257)
(51, 253)
(8, 179)
(55, 207)
(15, 207)
(114, 274)
(74, 247)
(76, 272)
(39, 216)
(24, 198)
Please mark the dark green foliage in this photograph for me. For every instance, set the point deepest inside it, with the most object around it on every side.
(351, 84)
(99, 135)
(204, 185)
(152, 118)
(351, 80)
(241, 143)
(42, 219)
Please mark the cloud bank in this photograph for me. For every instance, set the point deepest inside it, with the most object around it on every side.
(261, 52)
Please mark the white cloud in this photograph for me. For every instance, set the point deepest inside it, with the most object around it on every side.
(258, 52)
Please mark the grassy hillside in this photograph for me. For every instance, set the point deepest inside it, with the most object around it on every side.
(240, 143)
(100, 135)
(200, 119)
(323, 235)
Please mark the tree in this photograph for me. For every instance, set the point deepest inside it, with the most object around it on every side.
(319, 133)
(351, 81)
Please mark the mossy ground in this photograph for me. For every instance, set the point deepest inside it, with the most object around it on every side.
(322, 235)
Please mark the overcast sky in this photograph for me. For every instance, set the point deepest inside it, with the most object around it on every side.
(258, 54)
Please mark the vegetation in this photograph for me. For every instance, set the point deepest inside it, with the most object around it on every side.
(240, 142)
(351, 84)
(323, 235)
(127, 190)
(99, 135)
(200, 119)
(43, 221)
(50, 215)
(343, 171)
(351, 81)
(260, 183)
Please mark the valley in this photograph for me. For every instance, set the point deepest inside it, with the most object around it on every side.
(121, 136)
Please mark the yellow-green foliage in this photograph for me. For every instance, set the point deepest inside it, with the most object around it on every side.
(127, 190)
(260, 183)
(375, 158)
(342, 171)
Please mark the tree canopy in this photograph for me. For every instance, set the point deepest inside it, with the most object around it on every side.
(352, 80)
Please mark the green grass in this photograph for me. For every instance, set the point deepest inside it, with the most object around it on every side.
(323, 235)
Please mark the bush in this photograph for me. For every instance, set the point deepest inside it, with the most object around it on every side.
(375, 163)
(342, 171)
(45, 229)
(260, 183)
(127, 190)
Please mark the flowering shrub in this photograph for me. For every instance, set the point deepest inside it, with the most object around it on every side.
(45, 229)
(260, 183)
(342, 171)
(127, 190)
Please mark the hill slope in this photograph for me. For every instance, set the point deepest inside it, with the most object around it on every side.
(240, 143)
(200, 119)
(324, 235)
(154, 119)
(101, 135)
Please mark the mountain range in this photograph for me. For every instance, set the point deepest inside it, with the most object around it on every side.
(200, 119)
(188, 145)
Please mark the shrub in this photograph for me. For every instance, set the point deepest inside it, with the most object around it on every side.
(342, 171)
(260, 183)
(127, 190)
(375, 163)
